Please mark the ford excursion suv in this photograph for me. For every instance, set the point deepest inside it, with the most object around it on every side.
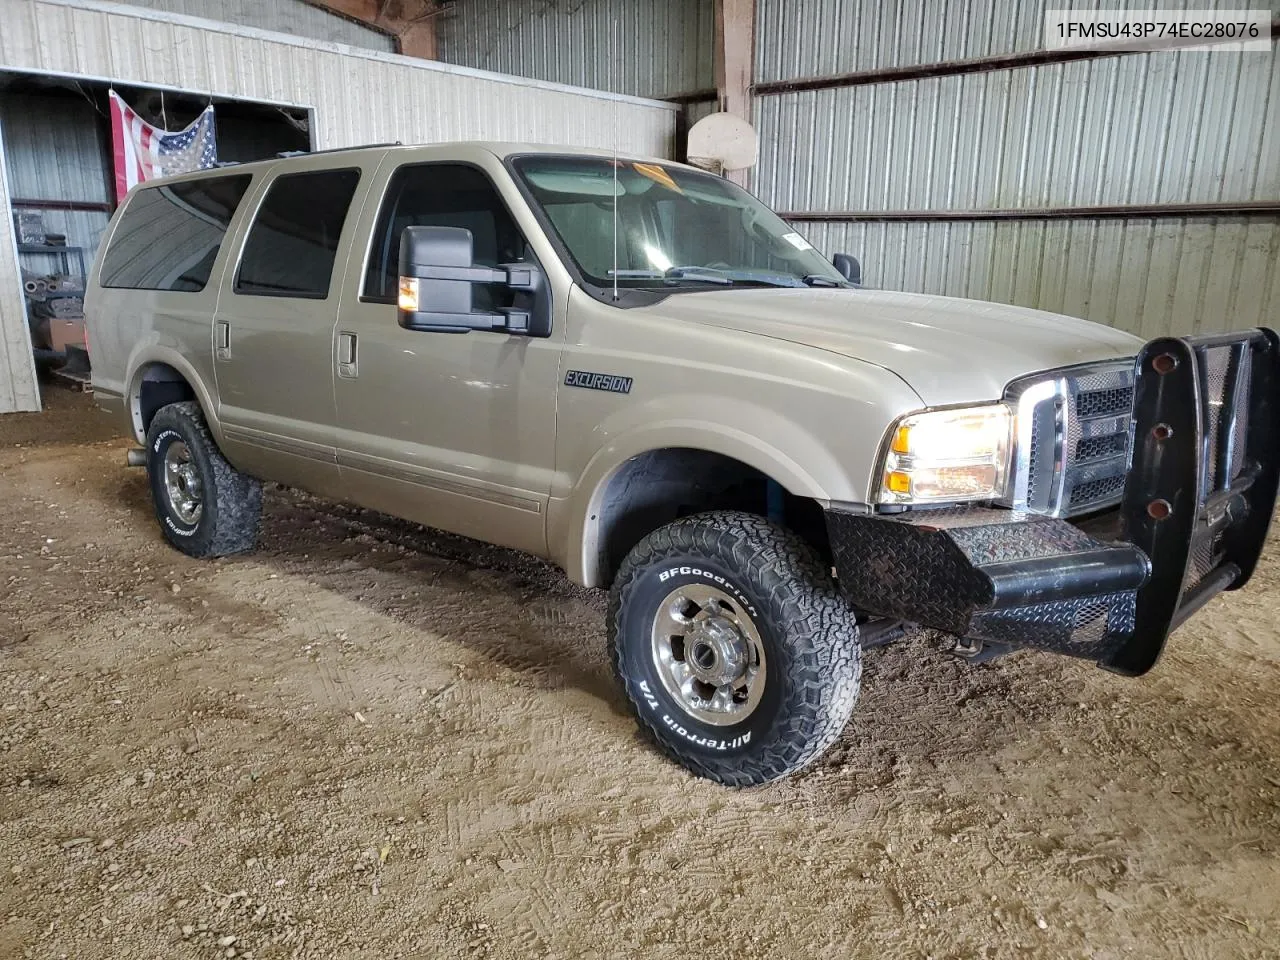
(634, 369)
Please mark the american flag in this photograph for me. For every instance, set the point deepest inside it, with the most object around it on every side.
(143, 152)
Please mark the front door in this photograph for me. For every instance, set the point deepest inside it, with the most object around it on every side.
(452, 430)
(273, 331)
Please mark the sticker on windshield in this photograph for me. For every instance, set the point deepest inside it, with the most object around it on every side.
(797, 241)
(657, 175)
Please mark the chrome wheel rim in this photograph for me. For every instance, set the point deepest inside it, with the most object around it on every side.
(182, 483)
(708, 654)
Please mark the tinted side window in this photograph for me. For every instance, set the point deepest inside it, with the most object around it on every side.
(294, 238)
(168, 237)
(442, 195)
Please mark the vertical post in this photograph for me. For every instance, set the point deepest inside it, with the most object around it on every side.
(19, 389)
(735, 62)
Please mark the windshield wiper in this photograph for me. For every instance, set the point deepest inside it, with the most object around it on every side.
(818, 280)
(714, 275)
(701, 274)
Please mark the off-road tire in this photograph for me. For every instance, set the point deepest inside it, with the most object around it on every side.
(232, 501)
(808, 632)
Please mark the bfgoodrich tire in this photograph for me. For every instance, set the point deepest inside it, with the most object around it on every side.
(734, 648)
(206, 508)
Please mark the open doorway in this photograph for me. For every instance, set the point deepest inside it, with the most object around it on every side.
(58, 149)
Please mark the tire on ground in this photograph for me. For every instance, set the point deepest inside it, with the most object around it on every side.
(230, 501)
(812, 660)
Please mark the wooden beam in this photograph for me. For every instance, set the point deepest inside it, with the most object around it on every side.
(418, 39)
(735, 61)
(365, 11)
(411, 22)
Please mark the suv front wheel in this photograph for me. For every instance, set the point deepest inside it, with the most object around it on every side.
(734, 647)
(206, 507)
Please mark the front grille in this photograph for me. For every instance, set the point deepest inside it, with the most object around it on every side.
(1033, 474)
(1096, 448)
(1104, 403)
(1074, 438)
(1093, 491)
(1074, 426)
(1099, 411)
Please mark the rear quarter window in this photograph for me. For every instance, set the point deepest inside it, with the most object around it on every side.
(169, 236)
(293, 242)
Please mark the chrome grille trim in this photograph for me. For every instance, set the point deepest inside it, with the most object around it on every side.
(1055, 412)
(1038, 440)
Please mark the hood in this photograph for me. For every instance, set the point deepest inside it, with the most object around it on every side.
(947, 349)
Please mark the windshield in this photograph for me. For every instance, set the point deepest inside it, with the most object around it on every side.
(676, 227)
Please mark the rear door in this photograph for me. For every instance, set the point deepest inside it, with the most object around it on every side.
(453, 430)
(156, 283)
(273, 331)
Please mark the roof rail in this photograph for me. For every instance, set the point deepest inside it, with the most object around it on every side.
(311, 153)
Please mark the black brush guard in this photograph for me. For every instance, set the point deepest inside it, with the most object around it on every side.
(1198, 499)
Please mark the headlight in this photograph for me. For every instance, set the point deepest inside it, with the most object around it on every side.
(948, 455)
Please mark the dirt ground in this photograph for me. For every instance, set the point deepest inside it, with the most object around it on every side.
(368, 740)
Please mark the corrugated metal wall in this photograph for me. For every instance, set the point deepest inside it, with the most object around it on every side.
(287, 16)
(359, 97)
(1147, 128)
(693, 112)
(18, 390)
(818, 38)
(1150, 277)
(665, 45)
(54, 152)
(1137, 129)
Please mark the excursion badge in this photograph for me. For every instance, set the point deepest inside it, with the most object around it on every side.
(597, 381)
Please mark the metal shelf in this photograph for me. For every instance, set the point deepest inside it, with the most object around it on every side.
(59, 251)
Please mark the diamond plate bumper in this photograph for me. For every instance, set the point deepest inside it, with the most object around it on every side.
(1198, 499)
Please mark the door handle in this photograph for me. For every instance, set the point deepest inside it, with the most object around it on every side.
(222, 340)
(347, 359)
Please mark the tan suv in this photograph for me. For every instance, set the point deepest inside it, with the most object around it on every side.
(635, 369)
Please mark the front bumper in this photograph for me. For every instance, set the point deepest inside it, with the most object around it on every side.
(1192, 523)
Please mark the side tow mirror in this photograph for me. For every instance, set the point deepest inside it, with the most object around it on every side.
(848, 267)
(437, 276)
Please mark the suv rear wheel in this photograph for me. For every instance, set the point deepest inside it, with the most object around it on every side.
(206, 507)
(736, 651)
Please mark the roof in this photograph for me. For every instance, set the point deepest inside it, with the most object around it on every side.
(499, 148)
(504, 148)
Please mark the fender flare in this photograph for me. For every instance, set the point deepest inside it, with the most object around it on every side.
(146, 354)
(577, 526)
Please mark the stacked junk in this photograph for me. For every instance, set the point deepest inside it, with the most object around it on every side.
(55, 302)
